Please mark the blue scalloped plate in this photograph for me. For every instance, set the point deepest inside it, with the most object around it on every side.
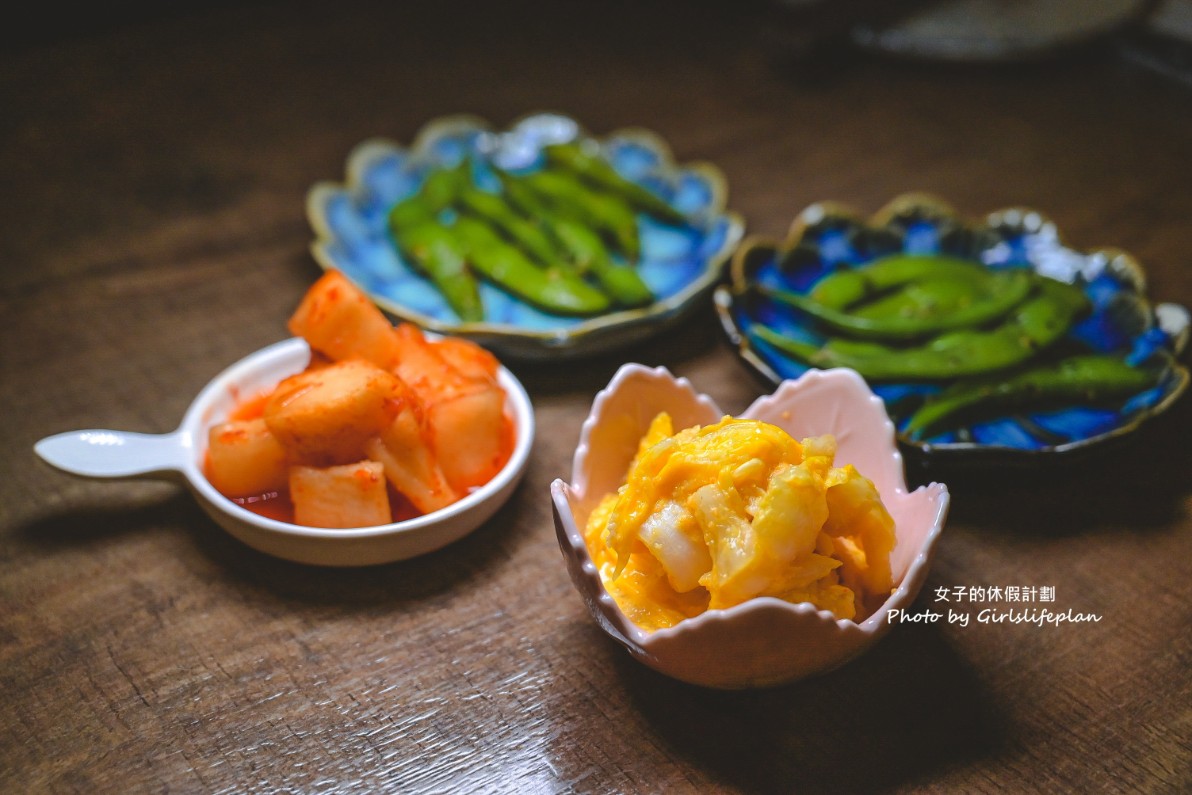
(827, 237)
(680, 264)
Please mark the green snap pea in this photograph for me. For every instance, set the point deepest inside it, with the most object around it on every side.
(407, 213)
(437, 253)
(494, 209)
(568, 198)
(527, 201)
(545, 237)
(530, 205)
(1000, 294)
(1089, 379)
(843, 346)
(591, 167)
(552, 289)
(844, 288)
(585, 250)
(622, 282)
(438, 191)
(443, 185)
(1035, 324)
(1048, 319)
(921, 299)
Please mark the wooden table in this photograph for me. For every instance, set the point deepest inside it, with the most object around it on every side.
(154, 232)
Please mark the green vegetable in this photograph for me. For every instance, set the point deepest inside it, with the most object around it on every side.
(1084, 379)
(1000, 293)
(922, 299)
(442, 186)
(546, 237)
(569, 198)
(527, 201)
(437, 253)
(927, 318)
(407, 213)
(552, 289)
(438, 191)
(591, 167)
(845, 288)
(1034, 325)
(525, 233)
(586, 250)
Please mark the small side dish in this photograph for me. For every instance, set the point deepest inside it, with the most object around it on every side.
(338, 397)
(989, 339)
(723, 552)
(539, 241)
(382, 425)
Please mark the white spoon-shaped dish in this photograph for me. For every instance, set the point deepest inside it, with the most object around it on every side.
(179, 456)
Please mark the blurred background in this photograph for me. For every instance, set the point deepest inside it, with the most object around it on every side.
(1154, 34)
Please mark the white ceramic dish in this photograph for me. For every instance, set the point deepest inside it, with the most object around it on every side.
(179, 456)
(765, 641)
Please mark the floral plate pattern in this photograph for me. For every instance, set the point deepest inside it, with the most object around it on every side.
(680, 265)
(827, 237)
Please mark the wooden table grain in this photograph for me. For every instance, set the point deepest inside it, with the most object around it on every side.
(155, 170)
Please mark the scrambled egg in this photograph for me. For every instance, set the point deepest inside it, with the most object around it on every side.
(712, 516)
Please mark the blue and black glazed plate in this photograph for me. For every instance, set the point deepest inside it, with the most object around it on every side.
(828, 237)
(681, 264)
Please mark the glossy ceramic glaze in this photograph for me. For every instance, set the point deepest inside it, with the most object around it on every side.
(764, 641)
(826, 237)
(679, 265)
(180, 455)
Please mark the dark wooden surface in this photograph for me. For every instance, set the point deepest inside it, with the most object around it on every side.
(155, 169)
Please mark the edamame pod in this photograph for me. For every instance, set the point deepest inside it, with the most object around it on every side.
(592, 167)
(437, 253)
(407, 213)
(527, 201)
(497, 212)
(1049, 318)
(529, 204)
(552, 289)
(844, 288)
(587, 251)
(1038, 322)
(441, 187)
(584, 248)
(1087, 379)
(438, 191)
(921, 299)
(1000, 294)
(570, 199)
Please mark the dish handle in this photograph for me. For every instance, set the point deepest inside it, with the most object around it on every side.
(117, 454)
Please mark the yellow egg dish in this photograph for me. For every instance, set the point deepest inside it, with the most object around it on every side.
(712, 516)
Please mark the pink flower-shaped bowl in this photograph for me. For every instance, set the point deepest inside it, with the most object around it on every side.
(764, 641)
